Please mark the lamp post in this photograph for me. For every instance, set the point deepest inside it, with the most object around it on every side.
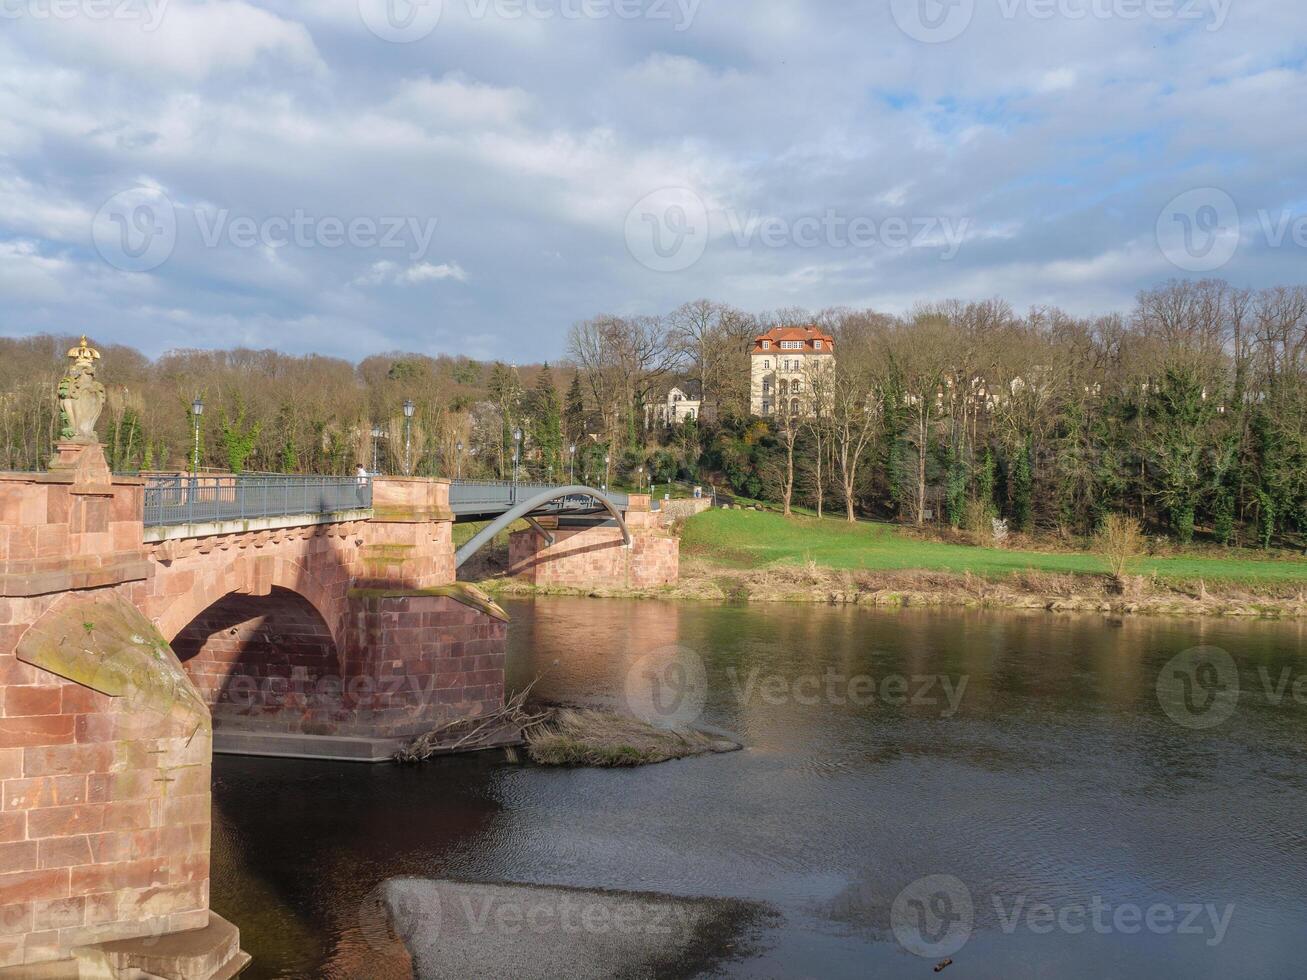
(377, 433)
(197, 409)
(571, 452)
(458, 459)
(608, 459)
(409, 411)
(517, 455)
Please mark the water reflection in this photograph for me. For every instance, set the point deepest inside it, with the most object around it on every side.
(1049, 775)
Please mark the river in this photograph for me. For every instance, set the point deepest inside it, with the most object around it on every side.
(1014, 792)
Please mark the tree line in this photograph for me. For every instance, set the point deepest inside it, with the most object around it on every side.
(1188, 413)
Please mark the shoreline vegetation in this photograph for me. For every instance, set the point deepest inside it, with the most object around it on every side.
(747, 556)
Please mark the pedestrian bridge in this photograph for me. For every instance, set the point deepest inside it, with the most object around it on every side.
(182, 505)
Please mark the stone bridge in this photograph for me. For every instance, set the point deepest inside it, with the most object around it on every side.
(126, 650)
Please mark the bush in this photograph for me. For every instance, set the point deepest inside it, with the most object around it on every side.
(1119, 541)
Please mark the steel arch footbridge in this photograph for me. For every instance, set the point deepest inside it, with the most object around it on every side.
(180, 500)
(504, 503)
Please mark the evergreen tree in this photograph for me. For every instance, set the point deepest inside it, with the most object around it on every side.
(1022, 485)
(574, 414)
(547, 426)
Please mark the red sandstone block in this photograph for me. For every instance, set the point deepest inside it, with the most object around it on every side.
(184, 839)
(41, 730)
(128, 815)
(26, 701)
(41, 946)
(59, 759)
(13, 826)
(43, 791)
(124, 845)
(186, 809)
(65, 852)
(101, 908)
(154, 903)
(32, 507)
(52, 541)
(77, 700)
(146, 873)
(11, 763)
(19, 856)
(64, 821)
(63, 913)
(192, 869)
(33, 886)
(16, 919)
(95, 728)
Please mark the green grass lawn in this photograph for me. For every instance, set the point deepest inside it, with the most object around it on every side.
(748, 539)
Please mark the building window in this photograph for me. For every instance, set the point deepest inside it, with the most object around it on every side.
(794, 407)
(791, 345)
(766, 363)
(766, 386)
(766, 345)
(816, 345)
(766, 408)
(796, 387)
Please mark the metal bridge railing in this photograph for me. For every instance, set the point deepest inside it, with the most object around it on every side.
(184, 499)
(486, 496)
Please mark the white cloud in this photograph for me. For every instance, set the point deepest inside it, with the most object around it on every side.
(387, 272)
(189, 39)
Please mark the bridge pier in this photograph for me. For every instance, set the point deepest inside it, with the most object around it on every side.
(105, 745)
(106, 737)
(591, 553)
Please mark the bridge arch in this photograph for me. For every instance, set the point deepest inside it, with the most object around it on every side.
(551, 501)
(243, 577)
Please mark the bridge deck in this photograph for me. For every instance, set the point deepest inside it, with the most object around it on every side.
(172, 501)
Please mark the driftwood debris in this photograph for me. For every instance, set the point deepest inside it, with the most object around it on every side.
(559, 736)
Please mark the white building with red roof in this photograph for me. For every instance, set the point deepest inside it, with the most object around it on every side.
(785, 360)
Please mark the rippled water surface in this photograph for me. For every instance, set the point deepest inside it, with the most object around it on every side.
(1058, 781)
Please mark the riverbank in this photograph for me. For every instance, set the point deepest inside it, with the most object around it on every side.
(744, 556)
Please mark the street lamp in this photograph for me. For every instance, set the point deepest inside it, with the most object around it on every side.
(517, 452)
(608, 459)
(409, 411)
(377, 433)
(572, 464)
(197, 409)
(458, 459)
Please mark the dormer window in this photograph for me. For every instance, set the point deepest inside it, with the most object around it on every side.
(766, 345)
(816, 345)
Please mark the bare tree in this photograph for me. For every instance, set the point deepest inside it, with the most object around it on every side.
(855, 421)
(622, 360)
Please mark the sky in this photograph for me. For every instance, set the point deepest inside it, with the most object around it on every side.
(474, 176)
